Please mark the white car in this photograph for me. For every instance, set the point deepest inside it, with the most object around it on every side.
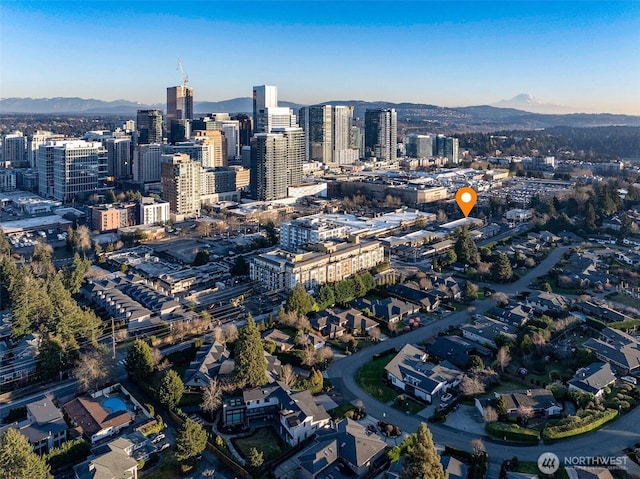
(446, 398)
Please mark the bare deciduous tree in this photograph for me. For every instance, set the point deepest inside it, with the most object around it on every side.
(211, 397)
(471, 386)
(230, 333)
(324, 354)
(308, 357)
(287, 375)
(477, 446)
(93, 370)
(500, 298)
(490, 414)
(503, 358)
(375, 333)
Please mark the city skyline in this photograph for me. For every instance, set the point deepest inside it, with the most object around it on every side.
(581, 55)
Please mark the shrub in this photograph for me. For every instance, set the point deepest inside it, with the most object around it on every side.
(150, 408)
(578, 425)
(70, 452)
(157, 427)
(512, 432)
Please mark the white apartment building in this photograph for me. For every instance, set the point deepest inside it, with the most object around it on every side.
(296, 233)
(332, 262)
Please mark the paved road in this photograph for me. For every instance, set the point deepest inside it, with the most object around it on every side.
(610, 440)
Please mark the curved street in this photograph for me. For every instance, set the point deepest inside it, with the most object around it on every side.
(608, 441)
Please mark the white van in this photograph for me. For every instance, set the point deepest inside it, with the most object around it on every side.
(629, 379)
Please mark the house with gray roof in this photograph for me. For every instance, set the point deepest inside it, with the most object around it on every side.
(515, 315)
(485, 330)
(538, 402)
(410, 371)
(296, 414)
(117, 463)
(456, 350)
(617, 348)
(343, 449)
(593, 379)
(282, 340)
(206, 365)
(542, 302)
(455, 468)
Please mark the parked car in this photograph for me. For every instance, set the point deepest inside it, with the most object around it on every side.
(446, 398)
(163, 446)
(629, 379)
(157, 437)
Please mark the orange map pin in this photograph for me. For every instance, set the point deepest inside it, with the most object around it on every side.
(466, 198)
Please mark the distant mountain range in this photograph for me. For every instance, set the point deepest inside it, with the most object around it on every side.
(526, 102)
(412, 117)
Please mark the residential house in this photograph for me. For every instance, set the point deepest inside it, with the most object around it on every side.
(456, 350)
(44, 427)
(617, 348)
(593, 379)
(410, 371)
(584, 472)
(514, 314)
(206, 364)
(324, 323)
(116, 463)
(282, 340)
(448, 285)
(390, 310)
(411, 292)
(342, 446)
(350, 320)
(542, 302)
(21, 358)
(485, 330)
(296, 415)
(537, 402)
(455, 468)
(93, 421)
(602, 312)
(452, 466)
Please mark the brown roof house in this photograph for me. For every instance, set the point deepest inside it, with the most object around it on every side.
(91, 419)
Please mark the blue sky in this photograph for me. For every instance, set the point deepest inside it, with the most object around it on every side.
(585, 55)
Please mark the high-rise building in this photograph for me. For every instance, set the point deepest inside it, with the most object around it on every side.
(152, 211)
(181, 184)
(67, 168)
(447, 148)
(381, 133)
(279, 117)
(268, 162)
(179, 103)
(419, 146)
(316, 122)
(147, 160)
(216, 144)
(14, 149)
(245, 125)
(276, 162)
(118, 158)
(149, 127)
(221, 122)
(264, 96)
(344, 151)
(40, 137)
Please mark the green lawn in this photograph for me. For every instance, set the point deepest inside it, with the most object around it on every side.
(624, 299)
(190, 399)
(408, 405)
(340, 411)
(370, 376)
(264, 439)
(562, 368)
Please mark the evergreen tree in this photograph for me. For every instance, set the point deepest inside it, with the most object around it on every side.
(422, 460)
(202, 258)
(250, 364)
(240, 267)
(299, 301)
(470, 291)
(139, 362)
(359, 287)
(73, 277)
(369, 280)
(190, 440)
(52, 358)
(465, 248)
(17, 459)
(171, 389)
(344, 291)
(326, 297)
(501, 270)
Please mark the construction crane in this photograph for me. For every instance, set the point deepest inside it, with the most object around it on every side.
(185, 78)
